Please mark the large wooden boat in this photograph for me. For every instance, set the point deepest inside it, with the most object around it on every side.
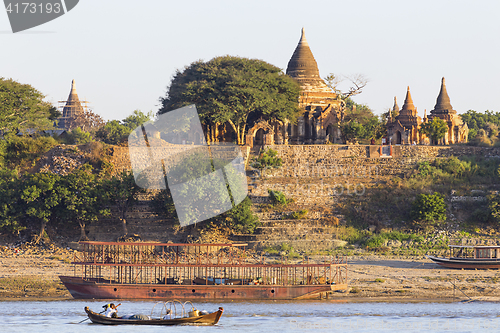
(185, 318)
(116, 270)
(470, 257)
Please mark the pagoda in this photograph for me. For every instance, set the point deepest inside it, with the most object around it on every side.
(458, 131)
(404, 128)
(71, 110)
(322, 109)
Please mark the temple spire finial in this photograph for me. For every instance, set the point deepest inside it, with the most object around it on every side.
(443, 104)
(395, 108)
(302, 65)
(408, 104)
(303, 39)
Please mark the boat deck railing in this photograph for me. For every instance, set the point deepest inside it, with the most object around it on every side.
(208, 264)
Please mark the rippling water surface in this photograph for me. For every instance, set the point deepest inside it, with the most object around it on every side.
(268, 316)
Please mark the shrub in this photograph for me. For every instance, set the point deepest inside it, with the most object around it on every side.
(22, 150)
(401, 236)
(429, 208)
(298, 215)
(79, 137)
(350, 234)
(278, 198)
(242, 217)
(289, 250)
(375, 241)
(494, 207)
(267, 159)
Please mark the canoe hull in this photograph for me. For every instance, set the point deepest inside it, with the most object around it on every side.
(209, 319)
(82, 289)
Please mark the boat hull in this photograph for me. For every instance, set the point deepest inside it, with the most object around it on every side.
(466, 263)
(209, 319)
(82, 289)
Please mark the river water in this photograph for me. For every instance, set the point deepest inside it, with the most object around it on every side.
(268, 317)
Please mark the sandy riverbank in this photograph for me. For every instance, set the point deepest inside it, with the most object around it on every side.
(32, 273)
(382, 278)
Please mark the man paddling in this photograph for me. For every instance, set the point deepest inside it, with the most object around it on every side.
(111, 311)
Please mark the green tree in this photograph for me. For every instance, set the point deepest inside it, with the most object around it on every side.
(79, 137)
(360, 123)
(242, 218)
(352, 130)
(494, 207)
(22, 107)
(163, 205)
(115, 131)
(233, 90)
(428, 209)
(435, 129)
(10, 212)
(483, 127)
(18, 152)
(122, 191)
(81, 198)
(38, 197)
(137, 118)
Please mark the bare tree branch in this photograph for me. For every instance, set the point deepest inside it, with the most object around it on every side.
(358, 82)
(88, 121)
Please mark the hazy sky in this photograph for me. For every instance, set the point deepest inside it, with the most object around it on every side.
(123, 54)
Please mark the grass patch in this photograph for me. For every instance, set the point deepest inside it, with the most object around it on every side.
(29, 284)
(283, 248)
(65, 260)
(355, 290)
(298, 215)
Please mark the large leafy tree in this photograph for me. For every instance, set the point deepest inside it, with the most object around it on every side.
(435, 129)
(122, 191)
(9, 194)
(360, 123)
(22, 107)
(116, 131)
(81, 198)
(231, 90)
(137, 118)
(38, 197)
(428, 209)
(483, 127)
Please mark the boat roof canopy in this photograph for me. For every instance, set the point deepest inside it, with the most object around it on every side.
(476, 246)
(162, 244)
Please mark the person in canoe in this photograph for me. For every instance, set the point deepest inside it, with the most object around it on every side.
(111, 310)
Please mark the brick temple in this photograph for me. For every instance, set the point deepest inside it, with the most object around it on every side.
(404, 128)
(322, 109)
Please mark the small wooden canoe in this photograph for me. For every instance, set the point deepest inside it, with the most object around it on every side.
(209, 319)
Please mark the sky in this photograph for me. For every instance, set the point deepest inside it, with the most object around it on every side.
(123, 54)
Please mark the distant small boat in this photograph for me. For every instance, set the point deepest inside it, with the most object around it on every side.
(194, 317)
(471, 257)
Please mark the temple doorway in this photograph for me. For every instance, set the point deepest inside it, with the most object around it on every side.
(259, 137)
